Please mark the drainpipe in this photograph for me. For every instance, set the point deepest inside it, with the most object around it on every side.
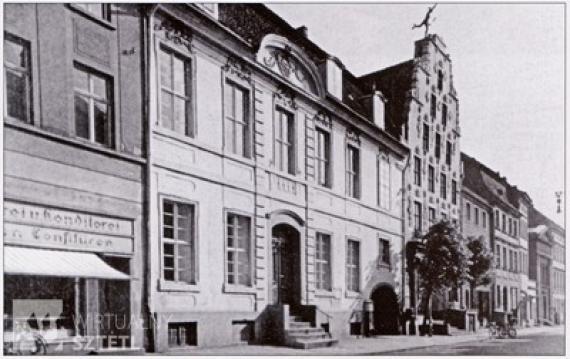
(150, 328)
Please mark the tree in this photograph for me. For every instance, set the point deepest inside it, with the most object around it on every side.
(480, 264)
(442, 260)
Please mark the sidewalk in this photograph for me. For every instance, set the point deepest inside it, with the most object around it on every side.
(358, 346)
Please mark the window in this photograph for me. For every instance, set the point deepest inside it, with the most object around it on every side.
(101, 11)
(477, 216)
(448, 153)
(510, 226)
(515, 227)
(418, 216)
(384, 185)
(323, 261)
(504, 223)
(443, 216)
(176, 92)
(426, 138)
(498, 304)
(484, 215)
(323, 158)
(498, 256)
(453, 192)
(443, 184)
(437, 145)
(417, 171)
(384, 252)
(431, 215)
(497, 222)
(182, 334)
(93, 106)
(284, 133)
(505, 258)
(516, 264)
(237, 120)
(17, 79)
(433, 105)
(431, 179)
(334, 79)
(439, 80)
(444, 115)
(352, 171)
(178, 242)
(238, 247)
(353, 266)
(468, 211)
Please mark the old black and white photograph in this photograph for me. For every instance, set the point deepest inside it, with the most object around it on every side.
(284, 178)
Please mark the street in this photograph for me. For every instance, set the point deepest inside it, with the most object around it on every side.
(549, 343)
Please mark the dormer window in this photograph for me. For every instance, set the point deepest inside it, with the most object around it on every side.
(334, 79)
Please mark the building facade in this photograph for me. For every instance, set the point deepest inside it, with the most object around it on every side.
(73, 170)
(422, 110)
(547, 267)
(273, 183)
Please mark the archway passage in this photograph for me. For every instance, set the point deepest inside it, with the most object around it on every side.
(386, 310)
(286, 286)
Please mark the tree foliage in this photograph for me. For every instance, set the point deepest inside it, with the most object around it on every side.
(442, 260)
(480, 263)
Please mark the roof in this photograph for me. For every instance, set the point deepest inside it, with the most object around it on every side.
(537, 218)
(394, 82)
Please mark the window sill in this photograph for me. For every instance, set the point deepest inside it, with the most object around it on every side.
(106, 23)
(351, 294)
(238, 289)
(248, 161)
(170, 286)
(323, 293)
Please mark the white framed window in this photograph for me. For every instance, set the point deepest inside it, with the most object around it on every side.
(178, 237)
(284, 146)
(352, 171)
(384, 252)
(323, 157)
(176, 102)
(237, 123)
(17, 79)
(238, 250)
(93, 106)
(384, 182)
(323, 262)
(353, 266)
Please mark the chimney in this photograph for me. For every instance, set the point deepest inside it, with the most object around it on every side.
(303, 31)
(378, 109)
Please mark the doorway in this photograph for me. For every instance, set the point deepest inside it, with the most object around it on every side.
(286, 281)
(386, 310)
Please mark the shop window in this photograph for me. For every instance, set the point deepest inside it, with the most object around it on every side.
(93, 106)
(237, 120)
(182, 334)
(101, 11)
(352, 171)
(178, 242)
(17, 79)
(176, 105)
(284, 147)
(323, 158)
(384, 182)
(353, 266)
(323, 261)
(238, 247)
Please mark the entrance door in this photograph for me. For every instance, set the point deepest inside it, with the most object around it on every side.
(286, 265)
(386, 310)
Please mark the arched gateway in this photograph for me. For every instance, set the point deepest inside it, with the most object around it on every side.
(386, 310)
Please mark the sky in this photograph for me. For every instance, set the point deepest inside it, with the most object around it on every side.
(508, 69)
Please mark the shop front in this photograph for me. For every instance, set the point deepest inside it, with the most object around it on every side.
(66, 281)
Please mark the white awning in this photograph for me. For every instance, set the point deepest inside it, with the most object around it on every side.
(44, 262)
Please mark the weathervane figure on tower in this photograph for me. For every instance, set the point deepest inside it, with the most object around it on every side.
(426, 21)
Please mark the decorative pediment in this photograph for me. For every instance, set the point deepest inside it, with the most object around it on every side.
(353, 135)
(237, 68)
(289, 61)
(323, 119)
(285, 97)
(174, 32)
